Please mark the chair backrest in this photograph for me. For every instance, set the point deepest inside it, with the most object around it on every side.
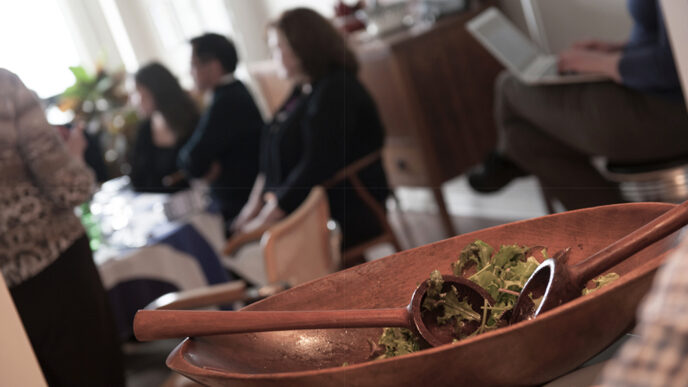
(300, 247)
(350, 173)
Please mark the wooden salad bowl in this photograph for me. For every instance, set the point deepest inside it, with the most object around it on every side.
(527, 353)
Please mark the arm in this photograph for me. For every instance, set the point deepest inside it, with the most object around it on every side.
(656, 353)
(324, 144)
(642, 66)
(140, 155)
(163, 136)
(599, 45)
(255, 218)
(57, 167)
(252, 206)
(588, 61)
(206, 143)
(650, 66)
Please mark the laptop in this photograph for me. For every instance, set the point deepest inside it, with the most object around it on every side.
(519, 54)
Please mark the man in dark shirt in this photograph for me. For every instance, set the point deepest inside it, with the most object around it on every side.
(224, 146)
(553, 132)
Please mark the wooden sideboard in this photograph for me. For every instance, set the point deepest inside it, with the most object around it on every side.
(434, 89)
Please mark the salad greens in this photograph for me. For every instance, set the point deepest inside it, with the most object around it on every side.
(501, 274)
(601, 282)
(398, 341)
(447, 304)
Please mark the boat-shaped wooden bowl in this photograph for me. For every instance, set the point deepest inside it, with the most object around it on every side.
(528, 353)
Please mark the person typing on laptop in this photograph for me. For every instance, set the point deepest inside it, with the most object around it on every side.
(552, 131)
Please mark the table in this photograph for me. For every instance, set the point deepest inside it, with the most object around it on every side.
(145, 255)
(434, 88)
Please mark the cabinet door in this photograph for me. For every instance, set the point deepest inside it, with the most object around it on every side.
(434, 90)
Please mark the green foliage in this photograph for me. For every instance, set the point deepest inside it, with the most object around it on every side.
(92, 94)
(100, 101)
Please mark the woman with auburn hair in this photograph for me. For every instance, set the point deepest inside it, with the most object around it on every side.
(327, 122)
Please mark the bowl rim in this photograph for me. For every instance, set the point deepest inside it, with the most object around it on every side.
(177, 362)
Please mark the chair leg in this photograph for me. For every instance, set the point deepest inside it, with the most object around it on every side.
(404, 227)
(449, 228)
(548, 199)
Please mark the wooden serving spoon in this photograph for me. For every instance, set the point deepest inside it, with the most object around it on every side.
(164, 324)
(558, 283)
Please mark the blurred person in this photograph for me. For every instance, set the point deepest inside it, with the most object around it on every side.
(553, 131)
(328, 122)
(44, 252)
(169, 118)
(656, 355)
(224, 147)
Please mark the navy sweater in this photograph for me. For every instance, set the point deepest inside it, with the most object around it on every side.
(228, 132)
(647, 63)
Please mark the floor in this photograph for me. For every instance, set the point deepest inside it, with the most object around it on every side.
(417, 222)
(470, 211)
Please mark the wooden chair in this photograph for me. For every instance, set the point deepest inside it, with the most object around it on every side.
(209, 296)
(213, 295)
(351, 254)
(351, 173)
(295, 250)
(299, 248)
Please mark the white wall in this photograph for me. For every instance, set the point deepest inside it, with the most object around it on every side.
(275, 7)
(249, 19)
(513, 9)
(675, 12)
(566, 21)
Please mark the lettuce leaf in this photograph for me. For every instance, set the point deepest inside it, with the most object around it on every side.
(601, 282)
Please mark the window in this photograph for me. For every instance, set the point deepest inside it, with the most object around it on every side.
(177, 21)
(37, 46)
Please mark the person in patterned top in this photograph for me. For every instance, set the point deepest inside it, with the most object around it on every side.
(44, 252)
(657, 354)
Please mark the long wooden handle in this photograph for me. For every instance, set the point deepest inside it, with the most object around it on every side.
(165, 324)
(651, 232)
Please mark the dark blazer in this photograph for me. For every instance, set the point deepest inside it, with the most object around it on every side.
(150, 164)
(228, 132)
(317, 133)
